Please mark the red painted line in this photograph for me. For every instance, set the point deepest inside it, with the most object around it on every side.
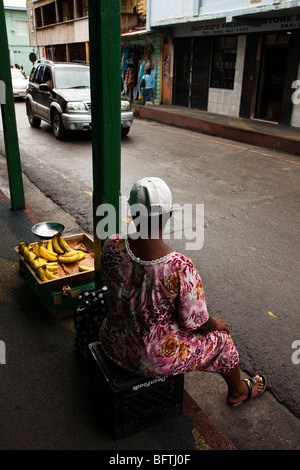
(3, 197)
(27, 211)
(212, 436)
(31, 215)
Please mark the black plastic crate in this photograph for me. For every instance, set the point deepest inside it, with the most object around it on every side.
(90, 309)
(129, 403)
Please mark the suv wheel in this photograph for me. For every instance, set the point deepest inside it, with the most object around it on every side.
(125, 131)
(33, 121)
(57, 125)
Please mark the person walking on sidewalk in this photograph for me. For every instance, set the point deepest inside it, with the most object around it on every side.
(158, 324)
(147, 84)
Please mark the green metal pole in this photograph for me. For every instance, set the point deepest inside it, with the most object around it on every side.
(9, 121)
(105, 62)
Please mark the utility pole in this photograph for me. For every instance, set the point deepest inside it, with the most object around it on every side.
(105, 66)
(9, 121)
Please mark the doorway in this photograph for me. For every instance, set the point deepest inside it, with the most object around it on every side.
(272, 77)
(182, 72)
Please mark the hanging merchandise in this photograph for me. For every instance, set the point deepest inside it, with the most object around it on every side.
(134, 57)
(126, 57)
(141, 73)
(129, 77)
(129, 80)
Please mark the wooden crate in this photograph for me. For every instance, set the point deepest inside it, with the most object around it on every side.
(75, 241)
(59, 295)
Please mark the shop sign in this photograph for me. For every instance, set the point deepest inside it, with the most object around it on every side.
(272, 23)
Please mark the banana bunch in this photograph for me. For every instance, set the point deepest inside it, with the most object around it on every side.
(58, 246)
(35, 257)
(45, 259)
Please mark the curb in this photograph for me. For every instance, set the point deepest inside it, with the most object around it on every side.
(226, 131)
(207, 431)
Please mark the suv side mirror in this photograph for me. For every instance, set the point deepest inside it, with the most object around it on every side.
(44, 87)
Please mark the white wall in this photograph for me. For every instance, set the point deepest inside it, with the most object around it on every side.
(174, 11)
(227, 102)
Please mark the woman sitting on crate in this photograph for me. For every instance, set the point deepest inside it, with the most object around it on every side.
(158, 324)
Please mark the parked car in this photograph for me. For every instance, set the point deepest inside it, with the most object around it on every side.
(59, 93)
(19, 83)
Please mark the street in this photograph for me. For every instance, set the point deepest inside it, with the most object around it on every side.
(249, 259)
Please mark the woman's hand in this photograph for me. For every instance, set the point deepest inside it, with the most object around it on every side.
(214, 324)
(221, 325)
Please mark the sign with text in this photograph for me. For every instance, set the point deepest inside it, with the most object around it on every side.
(217, 27)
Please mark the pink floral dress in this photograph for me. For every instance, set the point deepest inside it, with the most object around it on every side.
(155, 309)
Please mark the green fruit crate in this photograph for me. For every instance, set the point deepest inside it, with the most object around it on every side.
(59, 295)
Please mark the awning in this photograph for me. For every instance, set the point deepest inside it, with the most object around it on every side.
(138, 32)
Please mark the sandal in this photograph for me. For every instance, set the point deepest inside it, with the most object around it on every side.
(250, 383)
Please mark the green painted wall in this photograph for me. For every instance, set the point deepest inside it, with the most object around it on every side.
(18, 41)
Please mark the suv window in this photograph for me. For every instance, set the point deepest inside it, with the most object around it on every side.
(47, 77)
(78, 78)
(39, 74)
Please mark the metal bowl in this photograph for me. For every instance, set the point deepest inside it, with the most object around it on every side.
(47, 229)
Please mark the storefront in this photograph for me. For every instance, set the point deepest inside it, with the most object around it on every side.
(138, 49)
(238, 69)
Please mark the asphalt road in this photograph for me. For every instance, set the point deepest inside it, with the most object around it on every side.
(249, 261)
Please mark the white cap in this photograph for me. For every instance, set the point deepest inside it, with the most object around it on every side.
(153, 193)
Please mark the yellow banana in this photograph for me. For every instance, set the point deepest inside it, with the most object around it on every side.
(52, 267)
(81, 255)
(45, 253)
(35, 264)
(50, 246)
(62, 243)
(29, 255)
(25, 248)
(44, 274)
(32, 258)
(49, 275)
(85, 268)
(22, 246)
(56, 246)
(72, 253)
(69, 259)
(41, 273)
(36, 248)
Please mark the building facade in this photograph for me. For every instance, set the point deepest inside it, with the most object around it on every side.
(18, 37)
(59, 31)
(234, 57)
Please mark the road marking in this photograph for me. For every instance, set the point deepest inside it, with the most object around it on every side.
(224, 143)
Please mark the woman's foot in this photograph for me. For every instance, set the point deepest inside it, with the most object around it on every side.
(249, 388)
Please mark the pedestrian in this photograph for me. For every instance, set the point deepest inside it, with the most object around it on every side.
(158, 324)
(146, 86)
(23, 71)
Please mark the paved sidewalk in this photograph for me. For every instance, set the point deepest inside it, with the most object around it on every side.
(44, 393)
(45, 400)
(249, 131)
